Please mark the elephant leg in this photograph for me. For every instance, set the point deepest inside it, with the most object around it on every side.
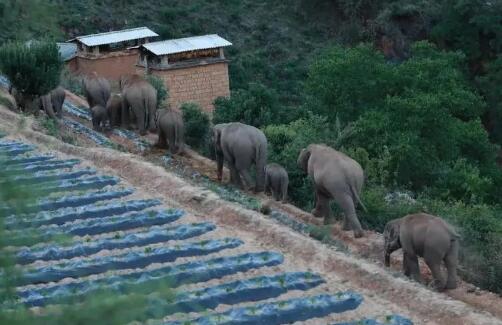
(434, 264)
(321, 209)
(346, 203)
(235, 178)
(247, 180)
(124, 114)
(161, 142)
(268, 189)
(451, 261)
(140, 118)
(406, 266)
(412, 266)
(284, 191)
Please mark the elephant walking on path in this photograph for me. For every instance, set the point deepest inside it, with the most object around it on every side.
(52, 103)
(171, 130)
(139, 98)
(276, 181)
(426, 236)
(240, 146)
(336, 177)
(96, 90)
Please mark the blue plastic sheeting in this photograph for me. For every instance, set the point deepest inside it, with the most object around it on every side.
(79, 184)
(155, 235)
(282, 312)
(44, 176)
(67, 201)
(101, 226)
(15, 150)
(175, 275)
(389, 320)
(254, 289)
(91, 211)
(25, 160)
(129, 135)
(4, 82)
(41, 166)
(89, 133)
(130, 260)
(80, 112)
(285, 220)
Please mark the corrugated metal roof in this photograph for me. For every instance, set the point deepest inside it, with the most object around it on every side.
(67, 50)
(186, 44)
(115, 36)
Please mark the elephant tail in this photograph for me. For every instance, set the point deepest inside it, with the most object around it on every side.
(146, 105)
(358, 199)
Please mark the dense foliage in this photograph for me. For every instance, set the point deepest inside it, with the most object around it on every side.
(160, 87)
(33, 69)
(422, 111)
(196, 125)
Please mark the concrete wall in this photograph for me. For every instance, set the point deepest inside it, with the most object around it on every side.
(201, 84)
(110, 66)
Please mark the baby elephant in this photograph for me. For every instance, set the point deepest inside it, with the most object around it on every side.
(276, 181)
(426, 236)
(99, 117)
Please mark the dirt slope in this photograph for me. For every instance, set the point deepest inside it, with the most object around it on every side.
(384, 293)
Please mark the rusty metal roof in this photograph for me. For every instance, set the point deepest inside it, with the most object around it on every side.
(186, 44)
(115, 36)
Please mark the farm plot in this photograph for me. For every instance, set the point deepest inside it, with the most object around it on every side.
(124, 243)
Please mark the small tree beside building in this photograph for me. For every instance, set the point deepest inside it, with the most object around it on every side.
(33, 69)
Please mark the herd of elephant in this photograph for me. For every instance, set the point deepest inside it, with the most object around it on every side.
(335, 175)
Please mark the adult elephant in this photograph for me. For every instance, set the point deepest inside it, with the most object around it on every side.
(240, 146)
(171, 130)
(52, 103)
(336, 177)
(426, 236)
(96, 90)
(139, 98)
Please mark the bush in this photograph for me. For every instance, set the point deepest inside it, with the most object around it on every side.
(196, 125)
(285, 143)
(257, 106)
(33, 70)
(422, 113)
(162, 91)
(71, 82)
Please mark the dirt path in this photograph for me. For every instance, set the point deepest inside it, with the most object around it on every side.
(382, 290)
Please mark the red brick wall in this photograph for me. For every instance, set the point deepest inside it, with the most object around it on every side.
(109, 66)
(200, 84)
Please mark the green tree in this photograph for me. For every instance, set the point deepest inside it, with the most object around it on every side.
(258, 106)
(28, 19)
(159, 85)
(423, 111)
(196, 125)
(33, 69)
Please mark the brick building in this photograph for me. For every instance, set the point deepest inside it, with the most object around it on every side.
(194, 69)
(110, 54)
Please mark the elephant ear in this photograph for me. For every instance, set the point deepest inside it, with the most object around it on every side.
(303, 159)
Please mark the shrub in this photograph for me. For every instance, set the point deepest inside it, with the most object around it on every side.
(422, 113)
(162, 91)
(196, 125)
(285, 143)
(71, 82)
(33, 70)
(257, 106)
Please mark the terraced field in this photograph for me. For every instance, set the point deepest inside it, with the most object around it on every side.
(226, 263)
(122, 242)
